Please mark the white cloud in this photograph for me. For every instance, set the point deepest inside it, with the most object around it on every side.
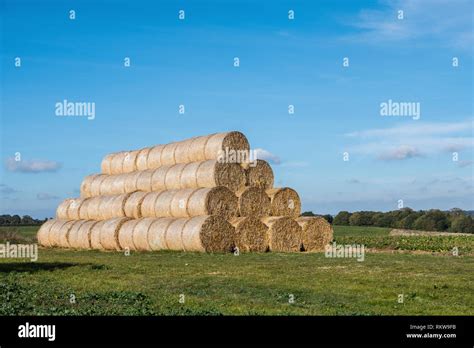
(400, 153)
(267, 156)
(31, 166)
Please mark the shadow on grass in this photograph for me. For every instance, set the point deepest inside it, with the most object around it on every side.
(37, 266)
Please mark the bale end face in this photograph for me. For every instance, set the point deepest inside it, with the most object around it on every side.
(316, 232)
(284, 234)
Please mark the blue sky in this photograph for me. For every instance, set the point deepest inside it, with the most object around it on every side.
(282, 62)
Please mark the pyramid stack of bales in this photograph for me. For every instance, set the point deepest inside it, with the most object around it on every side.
(201, 194)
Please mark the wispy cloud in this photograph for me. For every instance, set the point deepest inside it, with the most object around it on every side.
(400, 153)
(267, 156)
(6, 190)
(43, 196)
(31, 166)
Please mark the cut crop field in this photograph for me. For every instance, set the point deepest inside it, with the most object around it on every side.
(70, 282)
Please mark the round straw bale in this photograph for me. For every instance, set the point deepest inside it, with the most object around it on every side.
(144, 180)
(53, 235)
(96, 185)
(140, 233)
(167, 155)
(173, 234)
(284, 233)
(133, 205)
(148, 208)
(284, 202)
(95, 235)
(106, 207)
(130, 161)
(109, 233)
(106, 186)
(253, 201)
(217, 143)
(118, 184)
(118, 205)
(61, 210)
(317, 232)
(116, 166)
(82, 239)
(43, 233)
(93, 208)
(83, 210)
(173, 177)
(107, 163)
(142, 158)
(260, 175)
(212, 201)
(250, 234)
(73, 212)
(197, 148)
(130, 181)
(69, 232)
(125, 235)
(86, 185)
(62, 234)
(212, 173)
(188, 175)
(157, 233)
(162, 205)
(158, 178)
(154, 157)
(181, 153)
(207, 234)
(179, 202)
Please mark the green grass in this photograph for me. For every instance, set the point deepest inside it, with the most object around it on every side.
(110, 283)
(362, 231)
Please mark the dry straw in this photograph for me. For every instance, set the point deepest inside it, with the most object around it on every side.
(95, 235)
(116, 166)
(43, 233)
(133, 205)
(260, 175)
(140, 234)
(212, 201)
(154, 157)
(125, 235)
(86, 185)
(212, 173)
(173, 177)
(207, 234)
(144, 180)
(131, 180)
(157, 233)
(106, 164)
(93, 208)
(284, 202)
(73, 211)
(69, 232)
(317, 232)
(284, 234)
(96, 185)
(167, 155)
(82, 239)
(109, 233)
(62, 234)
(61, 210)
(53, 235)
(181, 153)
(219, 142)
(130, 161)
(253, 201)
(173, 234)
(142, 158)
(250, 234)
(148, 208)
(158, 178)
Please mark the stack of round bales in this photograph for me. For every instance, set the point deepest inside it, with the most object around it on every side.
(203, 194)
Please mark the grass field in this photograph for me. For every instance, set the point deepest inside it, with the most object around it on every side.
(91, 282)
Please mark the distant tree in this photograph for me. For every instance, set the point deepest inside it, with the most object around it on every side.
(328, 218)
(462, 224)
(15, 220)
(361, 218)
(432, 220)
(308, 213)
(382, 220)
(28, 220)
(342, 218)
(398, 215)
(408, 221)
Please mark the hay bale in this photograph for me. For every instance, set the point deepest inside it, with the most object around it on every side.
(144, 180)
(167, 155)
(188, 175)
(253, 201)
(125, 235)
(158, 179)
(197, 148)
(130, 181)
(116, 165)
(106, 186)
(140, 234)
(95, 235)
(162, 205)
(212, 173)
(109, 233)
(148, 205)
(73, 211)
(133, 205)
(106, 164)
(83, 210)
(173, 234)
(142, 158)
(69, 233)
(157, 234)
(212, 201)
(93, 208)
(284, 202)
(284, 233)
(61, 210)
(173, 177)
(130, 161)
(86, 185)
(181, 153)
(96, 185)
(43, 233)
(218, 143)
(106, 207)
(179, 202)
(118, 184)
(317, 232)
(250, 234)
(53, 235)
(82, 238)
(206, 234)
(260, 175)
(154, 157)
(61, 235)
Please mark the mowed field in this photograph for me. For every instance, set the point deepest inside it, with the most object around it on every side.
(423, 269)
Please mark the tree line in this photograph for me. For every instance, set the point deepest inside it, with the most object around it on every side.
(17, 220)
